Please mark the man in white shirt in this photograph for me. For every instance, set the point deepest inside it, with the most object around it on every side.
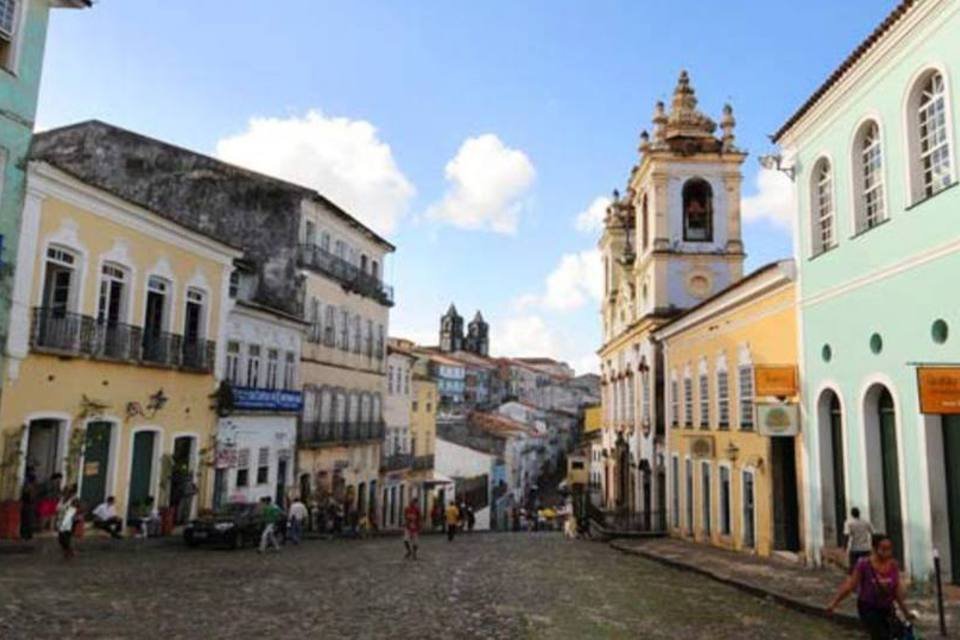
(105, 517)
(859, 534)
(298, 515)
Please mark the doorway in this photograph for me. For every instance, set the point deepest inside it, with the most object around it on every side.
(749, 511)
(96, 461)
(43, 448)
(890, 471)
(281, 496)
(141, 470)
(786, 507)
(182, 487)
(951, 463)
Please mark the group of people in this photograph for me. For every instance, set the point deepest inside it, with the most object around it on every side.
(39, 501)
(456, 517)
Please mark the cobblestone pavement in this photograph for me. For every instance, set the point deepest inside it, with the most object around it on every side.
(479, 586)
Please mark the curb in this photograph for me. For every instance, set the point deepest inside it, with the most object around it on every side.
(844, 619)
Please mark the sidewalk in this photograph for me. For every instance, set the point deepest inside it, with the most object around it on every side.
(807, 590)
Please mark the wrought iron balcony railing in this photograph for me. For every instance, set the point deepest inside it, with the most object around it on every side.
(421, 463)
(396, 461)
(317, 433)
(350, 276)
(65, 333)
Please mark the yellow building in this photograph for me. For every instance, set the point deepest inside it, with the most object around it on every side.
(423, 432)
(592, 419)
(115, 322)
(731, 396)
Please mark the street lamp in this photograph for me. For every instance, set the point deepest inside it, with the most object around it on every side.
(774, 162)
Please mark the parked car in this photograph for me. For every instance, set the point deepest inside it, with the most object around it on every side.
(235, 525)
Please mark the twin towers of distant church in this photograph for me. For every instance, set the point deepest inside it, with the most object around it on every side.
(477, 339)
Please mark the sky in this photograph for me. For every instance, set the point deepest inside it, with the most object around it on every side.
(480, 138)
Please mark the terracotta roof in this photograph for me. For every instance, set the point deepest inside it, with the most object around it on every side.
(894, 16)
(498, 424)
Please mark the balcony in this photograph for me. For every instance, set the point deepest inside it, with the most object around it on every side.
(315, 433)
(350, 276)
(72, 334)
(396, 461)
(423, 463)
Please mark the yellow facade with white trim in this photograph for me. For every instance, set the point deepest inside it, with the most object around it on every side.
(59, 386)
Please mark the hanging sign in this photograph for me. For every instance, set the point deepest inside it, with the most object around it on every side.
(778, 419)
(780, 381)
(939, 389)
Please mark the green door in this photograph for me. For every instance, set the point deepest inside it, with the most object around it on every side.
(141, 469)
(951, 462)
(891, 472)
(96, 457)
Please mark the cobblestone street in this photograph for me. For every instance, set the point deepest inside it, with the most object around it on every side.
(480, 586)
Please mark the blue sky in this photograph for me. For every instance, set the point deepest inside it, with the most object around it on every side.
(474, 134)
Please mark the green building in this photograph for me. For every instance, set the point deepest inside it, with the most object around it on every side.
(23, 34)
(877, 244)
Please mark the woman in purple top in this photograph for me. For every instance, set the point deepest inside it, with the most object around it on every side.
(876, 579)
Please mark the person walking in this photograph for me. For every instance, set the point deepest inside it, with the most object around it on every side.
(65, 528)
(28, 504)
(298, 515)
(411, 529)
(876, 580)
(471, 519)
(453, 518)
(858, 534)
(270, 514)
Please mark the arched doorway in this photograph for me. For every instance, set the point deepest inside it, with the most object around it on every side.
(832, 476)
(622, 473)
(883, 464)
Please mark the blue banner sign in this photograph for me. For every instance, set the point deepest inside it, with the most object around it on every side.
(248, 399)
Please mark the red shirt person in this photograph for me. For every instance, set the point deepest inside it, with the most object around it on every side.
(411, 529)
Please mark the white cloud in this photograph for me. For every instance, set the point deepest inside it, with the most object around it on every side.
(590, 220)
(531, 336)
(773, 200)
(488, 182)
(343, 159)
(577, 280)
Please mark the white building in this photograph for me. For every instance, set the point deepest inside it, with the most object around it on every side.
(257, 430)
(396, 453)
(459, 462)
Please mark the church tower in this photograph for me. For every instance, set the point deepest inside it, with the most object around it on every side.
(451, 331)
(478, 336)
(685, 193)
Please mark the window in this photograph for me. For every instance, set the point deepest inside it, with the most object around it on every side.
(414, 406)
(8, 31)
(357, 324)
(290, 371)
(344, 330)
(329, 325)
(193, 321)
(869, 160)
(379, 341)
(390, 379)
(369, 339)
(155, 347)
(725, 501)
(674, 403)
(233, 362)
(749, 521)
(723, 399)
(325, 241)
(675, 490)
(687, 402)
(263, 465)
(746, 397)
(58, 290)
(688, 468)
(316, 324)
(234, 284)
(644, 223)
(645, 396)
(375, 270)
(822, 205)
(112, 302)
(704, 402)
(697, 211)
(706, 501)
(933, 138)
(243, 468)
(310, 233)
(273, 367)
(253, 365)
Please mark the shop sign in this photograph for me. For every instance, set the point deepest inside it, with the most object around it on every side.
(778, 381)
(778, 419)
(251, 399)
(939, 389)
(226, 457)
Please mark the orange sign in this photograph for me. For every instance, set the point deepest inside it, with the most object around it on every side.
(939, 389)
(776, 381)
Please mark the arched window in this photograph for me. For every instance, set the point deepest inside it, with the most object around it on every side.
(822, 207)
(644, 223)
(929, 134)
(868, 160)
(697, 211)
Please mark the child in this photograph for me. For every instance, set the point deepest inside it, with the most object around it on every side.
(65, 532)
